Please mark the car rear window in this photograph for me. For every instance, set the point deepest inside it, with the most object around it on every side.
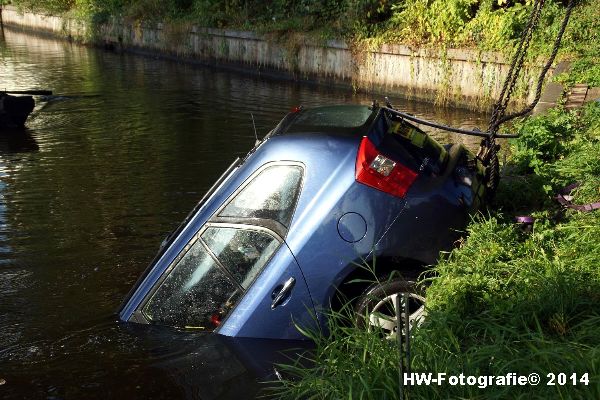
(420, 151)
(351, 119)
(270, 195)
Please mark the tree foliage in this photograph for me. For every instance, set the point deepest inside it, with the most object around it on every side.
(487, 24)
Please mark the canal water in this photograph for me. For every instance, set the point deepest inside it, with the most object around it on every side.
(108, 165)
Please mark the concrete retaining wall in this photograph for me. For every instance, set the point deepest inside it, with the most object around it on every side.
(58, 26)
(454, 76)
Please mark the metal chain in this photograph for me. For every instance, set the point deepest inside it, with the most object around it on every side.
(515, 65)
(538, 92)
(488, 152)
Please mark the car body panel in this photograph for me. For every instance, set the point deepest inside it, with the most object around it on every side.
(314, 251)
(432, 202)
(254, 317)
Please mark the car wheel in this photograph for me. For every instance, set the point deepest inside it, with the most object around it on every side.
(376, 308)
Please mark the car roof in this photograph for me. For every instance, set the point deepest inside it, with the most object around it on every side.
(347, 120)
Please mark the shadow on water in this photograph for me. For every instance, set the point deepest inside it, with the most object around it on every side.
(230, 368)
(17, 141)
(160, 363)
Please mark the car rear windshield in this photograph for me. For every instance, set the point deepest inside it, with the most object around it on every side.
(348, 119)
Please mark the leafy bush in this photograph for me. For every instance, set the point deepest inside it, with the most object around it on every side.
(541, 139)
(52, 6)
(496, 28)
(432, 21)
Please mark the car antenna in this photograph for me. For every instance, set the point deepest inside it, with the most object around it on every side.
(255, 134)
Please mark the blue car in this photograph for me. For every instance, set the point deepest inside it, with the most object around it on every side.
(275, 241)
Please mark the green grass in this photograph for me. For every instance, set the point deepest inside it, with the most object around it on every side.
(506, 300)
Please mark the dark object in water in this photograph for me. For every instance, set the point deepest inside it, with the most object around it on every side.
(14, 110)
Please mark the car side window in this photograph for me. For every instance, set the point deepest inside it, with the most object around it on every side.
(210, 276)
(196, 293)
(270, 195)
(243, 252)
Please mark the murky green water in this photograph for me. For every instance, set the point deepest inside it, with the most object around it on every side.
(107, 167)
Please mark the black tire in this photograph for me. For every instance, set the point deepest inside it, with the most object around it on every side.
(375, 309)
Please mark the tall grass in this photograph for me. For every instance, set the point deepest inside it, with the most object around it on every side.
(505, 301)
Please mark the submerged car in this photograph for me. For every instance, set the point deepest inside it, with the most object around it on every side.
(275, 241)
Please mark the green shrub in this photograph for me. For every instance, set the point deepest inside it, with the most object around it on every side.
(52, 6)
(432, 21)
(542, 139)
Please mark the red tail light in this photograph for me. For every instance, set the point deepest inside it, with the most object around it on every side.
(215, 319)
(376, 170)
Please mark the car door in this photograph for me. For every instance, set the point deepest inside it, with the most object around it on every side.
(236, 275)
(277, 302)
(279, 298)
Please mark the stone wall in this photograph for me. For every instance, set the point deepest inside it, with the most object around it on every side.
(454, 76)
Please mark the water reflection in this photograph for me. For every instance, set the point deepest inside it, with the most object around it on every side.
(229, 368)
(126, 360)
(107, 167)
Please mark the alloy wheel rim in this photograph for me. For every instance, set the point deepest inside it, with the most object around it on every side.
(383, 314)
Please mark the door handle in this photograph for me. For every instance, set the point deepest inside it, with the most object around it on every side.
(281, 292)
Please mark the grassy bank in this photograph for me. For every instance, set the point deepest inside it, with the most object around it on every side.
(506, 300)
